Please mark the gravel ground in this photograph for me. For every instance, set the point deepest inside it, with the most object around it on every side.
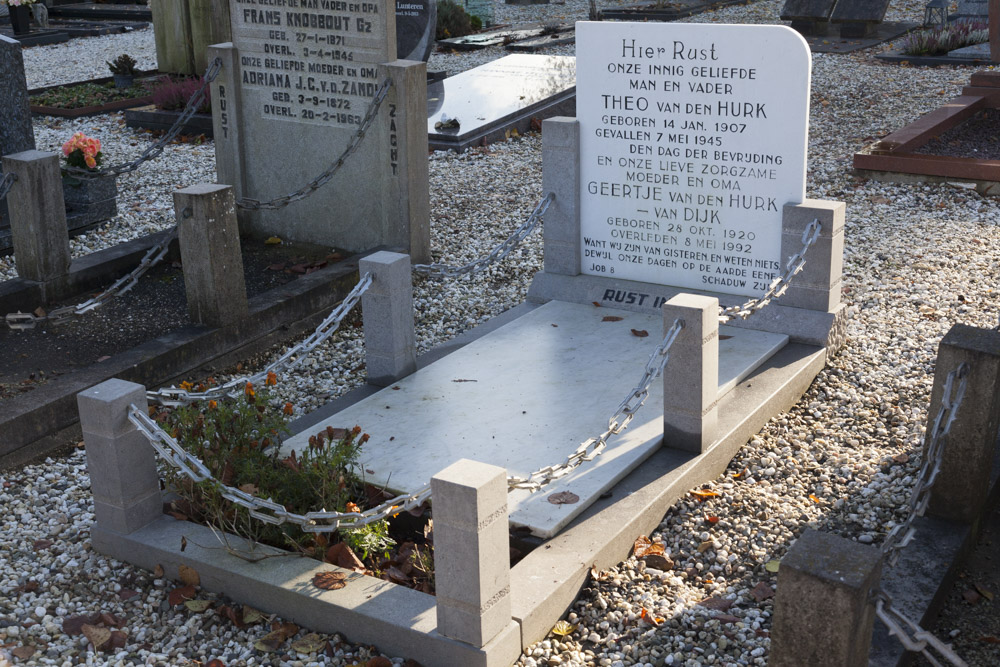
(919, 258)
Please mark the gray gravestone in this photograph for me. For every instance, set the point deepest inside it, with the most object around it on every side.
(16, 132)
(972, 9)
(809, 17)
(416, 21)
(859, 18)
(294, 88)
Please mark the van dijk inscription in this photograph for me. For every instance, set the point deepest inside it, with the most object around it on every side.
(693, 138)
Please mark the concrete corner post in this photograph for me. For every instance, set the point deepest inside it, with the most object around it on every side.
(471, 551)
(210, 253)
(823, 611)
(387, 307)
(121, 463)
(818, 285)
(38, 216)
(691, 377)
(561, 176)
(407, 109)
(962, 485)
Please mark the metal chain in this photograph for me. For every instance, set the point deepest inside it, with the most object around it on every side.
(592, 448)
(6, 183)
(500, 252)
(951, 400)
(780, 284)
(175, 396)
(911, 635)
(21, 321)
(267, 511)
(322, 179)
(156, 149)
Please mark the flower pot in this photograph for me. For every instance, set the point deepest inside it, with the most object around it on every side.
(20, 19)
(123, 81)
(89, 200)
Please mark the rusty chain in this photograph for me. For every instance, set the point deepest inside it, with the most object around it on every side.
(156, 149)
(779, 285)
(321, 180)
(500, 252)
(176, 396)
(22, 321)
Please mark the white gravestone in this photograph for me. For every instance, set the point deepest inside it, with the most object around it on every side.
(693, 138)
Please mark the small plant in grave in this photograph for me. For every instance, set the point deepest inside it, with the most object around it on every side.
(939, 41)
(83, 152)
(171, 94)
(17, 3)
(123, 69)
(239, 442)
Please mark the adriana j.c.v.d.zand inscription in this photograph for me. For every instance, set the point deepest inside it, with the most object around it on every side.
(311, 61)
(693, 138)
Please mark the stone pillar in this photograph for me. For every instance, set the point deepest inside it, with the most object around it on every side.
(962, 485)
(691, 377)
(823, 612)
(561, 176)
(172, 34)
(210, 253)
(209, 24)
(818, 285)
(16, 132)
(407, 154)
(387, 307)
(38, 216)
(227, 122)
(471, 551)
(121, 463)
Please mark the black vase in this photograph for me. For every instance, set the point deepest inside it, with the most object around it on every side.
(20, 19)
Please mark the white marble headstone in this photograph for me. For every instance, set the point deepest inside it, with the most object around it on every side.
(693, 138)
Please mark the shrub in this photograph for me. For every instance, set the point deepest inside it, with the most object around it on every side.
(123, 65)
(173, 94)
(940, 41)
(453, 21)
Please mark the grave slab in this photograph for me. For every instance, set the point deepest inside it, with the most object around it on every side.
(492, 98)
(572, 370)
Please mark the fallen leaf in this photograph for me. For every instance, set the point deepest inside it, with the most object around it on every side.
(901, 458)
(640, 333)
(127, 594)
(596, 303)
(273, 240)
(813, 498)
(644, 547)
(39, 312)
(341, 554)
(985, 593)
(704, 493)
(118, 639)
(270, 642)
(42, 544)
(110, 620)
(198, 606)
(330, 580)
(179, 595)
(650, 618)
(189, 576)
(379, 661)
(311, 643)
(215, 662)
(762, 592)
(712, 519)
(612, 318)
(158, 571)
(286, 629)
(715, 602)
(251, 615)
(704, 546)
(772, 566)
(990, 639)
(184, 543)
(23, 652)
(73, 625)
(97, 635)
(563, 498)
(563, 629)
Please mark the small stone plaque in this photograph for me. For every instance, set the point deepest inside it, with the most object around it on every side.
(807, 9)
(416, 21)
(859, 11)
(973, 9)
(693, 138)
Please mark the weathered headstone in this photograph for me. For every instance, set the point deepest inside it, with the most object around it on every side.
(295, 86)
(859, 18)
(184, 29)
(809, 17)
(692, 140)
(972, 9)
(16, 132)
(416, 21)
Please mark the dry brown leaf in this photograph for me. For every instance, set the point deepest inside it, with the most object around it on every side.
(179, 595)
(379, 661)
(640, 333)
(189, 576)
(563, 629)
(644, 547)
(158, 571)
(251, 615)
(270, 642)
(23, 652)
(984, 592)
(198, 606)
(97, 635)
(311, 643)
(612, 318)
(563, 498)
(715, 602)
(340, 554)
(762, 592)
(704, 493)
(42, 544)
(901, 458)
(330, 580)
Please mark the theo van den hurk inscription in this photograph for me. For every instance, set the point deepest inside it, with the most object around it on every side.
(693, 138)
(311, 61)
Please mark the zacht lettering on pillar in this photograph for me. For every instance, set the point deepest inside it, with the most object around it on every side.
(693, 138)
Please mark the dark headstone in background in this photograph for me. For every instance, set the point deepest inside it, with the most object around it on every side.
(16, 132)
(807, 9)
(859, 18)
(416, 21)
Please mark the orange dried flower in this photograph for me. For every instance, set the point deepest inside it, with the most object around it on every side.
(248, 390)
(288, 409)
(351, 507)
(213, 405)
(186, 386)
(272, 379)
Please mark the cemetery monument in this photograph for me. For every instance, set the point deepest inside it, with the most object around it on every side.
(16, 132)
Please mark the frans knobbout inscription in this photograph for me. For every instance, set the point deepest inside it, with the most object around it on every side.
(309, 61)
(693, 138)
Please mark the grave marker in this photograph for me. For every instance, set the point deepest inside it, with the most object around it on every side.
(16, 132)
(294, 88)
(859, 18)
(416, 21)
(692, 139)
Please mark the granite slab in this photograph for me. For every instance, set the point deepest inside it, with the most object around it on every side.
(525, 396)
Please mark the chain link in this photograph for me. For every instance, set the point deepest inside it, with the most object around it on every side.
(951, 400)
(21, 321)
(911, 635)
(175, 396)
(6, 183)
(780, 284)
(592, 448)
(267, 511)
(324, 178)
(156, 149)
(500, 252)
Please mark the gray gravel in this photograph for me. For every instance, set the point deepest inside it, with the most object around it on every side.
(919, 259)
